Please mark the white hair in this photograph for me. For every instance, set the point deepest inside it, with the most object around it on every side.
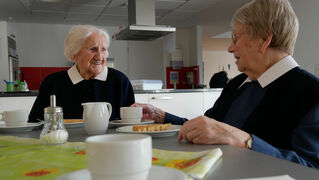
(76, 37)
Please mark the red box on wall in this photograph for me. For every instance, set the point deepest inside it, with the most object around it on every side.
(183, 78)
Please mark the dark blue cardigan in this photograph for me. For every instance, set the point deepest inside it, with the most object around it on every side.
(285, 123)
(116, 90)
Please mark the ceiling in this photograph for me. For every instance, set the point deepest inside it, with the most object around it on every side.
(213, 15)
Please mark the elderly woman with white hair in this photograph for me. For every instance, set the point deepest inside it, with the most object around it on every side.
(89, 80)
(273, 106)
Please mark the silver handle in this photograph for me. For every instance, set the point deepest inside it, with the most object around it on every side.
(162, 98)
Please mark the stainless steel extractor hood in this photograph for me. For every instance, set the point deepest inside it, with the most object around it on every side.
(141, 14)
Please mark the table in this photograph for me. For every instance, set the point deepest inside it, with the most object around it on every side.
(235, 163)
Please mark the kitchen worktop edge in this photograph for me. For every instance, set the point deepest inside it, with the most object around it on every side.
(35, 93)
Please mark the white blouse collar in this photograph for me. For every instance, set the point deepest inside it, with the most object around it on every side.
(76, 77)
(275, 71)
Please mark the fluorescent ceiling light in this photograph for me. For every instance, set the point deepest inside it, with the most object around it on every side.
(53, 1)
(222, 35)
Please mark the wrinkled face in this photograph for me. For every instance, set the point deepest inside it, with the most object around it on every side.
(91, 58)
(247, 52)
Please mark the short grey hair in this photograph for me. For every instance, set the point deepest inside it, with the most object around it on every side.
(275, 17)
(76, 37)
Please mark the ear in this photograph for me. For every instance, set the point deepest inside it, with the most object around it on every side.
(266, 42)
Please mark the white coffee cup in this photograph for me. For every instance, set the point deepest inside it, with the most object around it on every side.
(119, 156)
(15, 117)
(131, 114)
(96, 117)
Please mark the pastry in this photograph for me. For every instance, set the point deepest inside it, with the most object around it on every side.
(151, 127)
(72, 120)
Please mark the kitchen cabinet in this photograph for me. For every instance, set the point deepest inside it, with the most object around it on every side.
(188, 105)
(141, 98)
(183, 103)
(210, 99)
(16, 103)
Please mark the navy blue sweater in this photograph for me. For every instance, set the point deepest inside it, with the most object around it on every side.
(285, 123)
(116, 90)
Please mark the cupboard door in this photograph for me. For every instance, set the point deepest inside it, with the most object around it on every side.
(141, 98)
(16, 103)
(210, 99)
(187, 105)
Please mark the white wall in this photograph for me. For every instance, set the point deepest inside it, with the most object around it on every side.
(4, 65)
(216, 58)
(183, 43)
(146, 60)
(214, 61)
(169, 45)
(41, 45)
(306, 49)
(189, 40)
(196, 55)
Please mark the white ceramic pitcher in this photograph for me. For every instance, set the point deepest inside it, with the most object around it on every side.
(96, 117)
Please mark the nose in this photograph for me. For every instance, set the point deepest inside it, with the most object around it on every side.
(231, 48)
(98, 55)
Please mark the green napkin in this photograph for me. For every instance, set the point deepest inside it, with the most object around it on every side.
(194, 164)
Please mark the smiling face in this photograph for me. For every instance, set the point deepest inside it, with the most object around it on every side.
(91, 58)
(248, 53)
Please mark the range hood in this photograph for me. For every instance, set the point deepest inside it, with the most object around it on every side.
(141, 14)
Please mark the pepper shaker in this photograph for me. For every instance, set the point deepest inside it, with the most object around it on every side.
(53, 131)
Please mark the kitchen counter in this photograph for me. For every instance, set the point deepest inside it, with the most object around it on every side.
(177, 91)
(18, 94)
(35, 93)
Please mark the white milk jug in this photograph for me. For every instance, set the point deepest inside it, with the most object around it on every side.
(96, 117)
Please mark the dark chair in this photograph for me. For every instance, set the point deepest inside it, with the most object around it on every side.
(218, 80)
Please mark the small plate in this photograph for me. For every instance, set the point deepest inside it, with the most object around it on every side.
(119, 123)
(171, 131)
(27, 127)
(156, 173)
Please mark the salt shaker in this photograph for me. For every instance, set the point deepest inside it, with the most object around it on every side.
(53, 131)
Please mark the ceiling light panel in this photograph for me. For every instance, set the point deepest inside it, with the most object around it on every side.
(90, 9)
(198, 5)
(116, 11)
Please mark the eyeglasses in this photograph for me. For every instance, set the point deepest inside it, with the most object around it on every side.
(235, 38)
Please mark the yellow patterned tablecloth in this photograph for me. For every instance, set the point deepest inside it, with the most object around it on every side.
(27, 158)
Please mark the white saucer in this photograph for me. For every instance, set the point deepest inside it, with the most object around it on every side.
(171, 131)
(119, 123)
(156, 173)
(27, 127)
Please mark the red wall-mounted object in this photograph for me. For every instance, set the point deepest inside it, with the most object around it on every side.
(35, 75)
(185, 78)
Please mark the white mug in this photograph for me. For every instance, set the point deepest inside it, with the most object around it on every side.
(96, 117)
(15, 117)
(119, 156)
(131, 114)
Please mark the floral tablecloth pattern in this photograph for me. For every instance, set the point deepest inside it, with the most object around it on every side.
(28, 158)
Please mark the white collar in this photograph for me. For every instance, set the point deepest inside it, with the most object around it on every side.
(277, 70)
(76, 77)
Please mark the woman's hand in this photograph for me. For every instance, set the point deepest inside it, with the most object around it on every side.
(204, 130)
(151, 112)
